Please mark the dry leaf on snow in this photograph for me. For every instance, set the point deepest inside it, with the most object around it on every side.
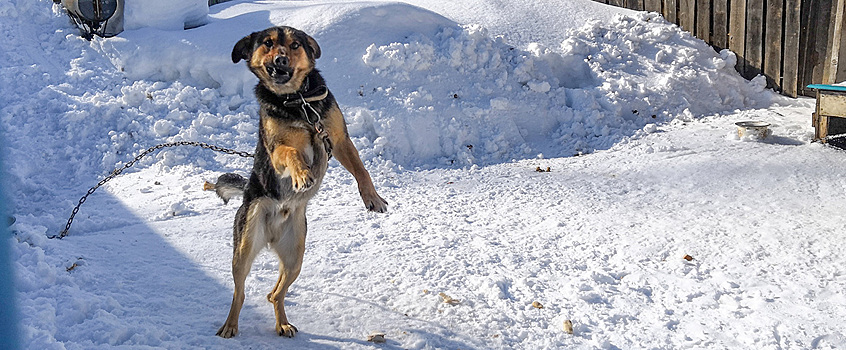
(448, 299)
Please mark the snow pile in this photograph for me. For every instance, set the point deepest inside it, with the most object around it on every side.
(420, 90)
(165, 14)
(607, 81)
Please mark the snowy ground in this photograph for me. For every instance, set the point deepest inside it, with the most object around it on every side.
(453, 108)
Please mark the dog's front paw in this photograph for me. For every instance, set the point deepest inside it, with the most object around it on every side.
(374, 202)
(286, 330)
(302, 180)
(227, 330)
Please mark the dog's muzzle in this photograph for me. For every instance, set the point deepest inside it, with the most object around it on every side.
(279, 70)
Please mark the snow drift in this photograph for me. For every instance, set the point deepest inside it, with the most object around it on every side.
(403, 82)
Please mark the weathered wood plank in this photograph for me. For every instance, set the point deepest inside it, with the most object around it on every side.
(832, 47)
(754, 38)
(737, 33)
(669, 11)
(832, 104)
(841, 61)
(652, 5)
(772, 46)
(822, 130)
(790, 55)
(816, 47)
(686, 14)
(636, 5)
(807, 43)
(719, 30)
(703, 20)
(618, 3)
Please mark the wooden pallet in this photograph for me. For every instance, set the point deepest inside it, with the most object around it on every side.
(831, 103)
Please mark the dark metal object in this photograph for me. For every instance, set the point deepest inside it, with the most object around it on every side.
(97, 10)
(91, 16)
(118, 171)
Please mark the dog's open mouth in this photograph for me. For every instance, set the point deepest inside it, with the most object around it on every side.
(280, 75)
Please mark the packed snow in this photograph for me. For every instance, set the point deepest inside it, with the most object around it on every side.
(545, 162)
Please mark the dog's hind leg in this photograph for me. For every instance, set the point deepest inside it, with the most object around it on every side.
(290, 247)
(252, 240)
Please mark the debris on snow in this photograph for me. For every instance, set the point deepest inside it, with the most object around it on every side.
(376, 337)
(448, 299)
(568, 327)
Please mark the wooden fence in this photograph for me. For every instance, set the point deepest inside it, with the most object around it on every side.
(792, 42)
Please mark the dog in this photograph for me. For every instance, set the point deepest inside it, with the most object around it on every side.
(300, 126)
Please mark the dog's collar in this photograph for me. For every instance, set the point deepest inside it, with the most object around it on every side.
(301, 101)
(305, 95)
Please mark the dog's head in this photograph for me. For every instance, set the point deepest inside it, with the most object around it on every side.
(281, 57)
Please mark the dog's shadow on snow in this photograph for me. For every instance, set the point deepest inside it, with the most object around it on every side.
(168, 284)
(139, 286)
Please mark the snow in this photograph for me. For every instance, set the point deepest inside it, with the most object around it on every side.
(453, 107)
(165, 14)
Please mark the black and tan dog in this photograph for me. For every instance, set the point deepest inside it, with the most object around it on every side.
(300, 124)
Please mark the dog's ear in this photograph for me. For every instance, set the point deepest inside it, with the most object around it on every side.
(315, 49)
(243, 49)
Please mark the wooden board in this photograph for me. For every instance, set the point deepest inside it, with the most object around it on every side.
(652, 5)
(636, 5)
(817, 48)
(772, 46)
(719, 30)
(841, 61)
(703, 20)
(790, 55)
(819, 121)
(821, 128)
(807, 38)
(737, 33)
(754, 38)
(832, 48)
(669, 11)
(618, 3)
(686, 14)
(832, 104)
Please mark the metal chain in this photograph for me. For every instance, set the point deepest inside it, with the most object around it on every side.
(118, 171)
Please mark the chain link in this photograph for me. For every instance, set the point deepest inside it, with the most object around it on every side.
(132, 162)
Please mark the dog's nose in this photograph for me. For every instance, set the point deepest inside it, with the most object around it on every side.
(281, 60)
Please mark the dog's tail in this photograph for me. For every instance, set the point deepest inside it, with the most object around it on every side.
(228, 185)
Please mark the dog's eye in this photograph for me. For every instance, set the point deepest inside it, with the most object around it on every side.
(268, 43)
(295, 45)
